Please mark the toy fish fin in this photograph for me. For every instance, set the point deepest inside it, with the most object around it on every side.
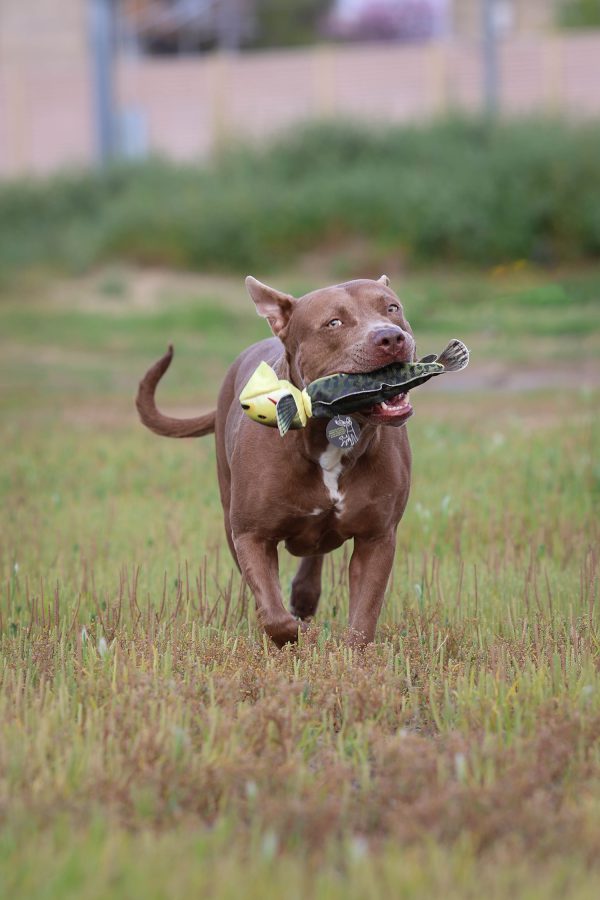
(431, 357)
(287, 410)
(454, 357)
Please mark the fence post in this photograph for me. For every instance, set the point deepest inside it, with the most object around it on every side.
(552, 63)
(101, 17)
(219, 93)
(324, 80)
(437, 64)
(490, 58)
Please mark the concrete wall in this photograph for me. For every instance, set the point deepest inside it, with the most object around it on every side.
(186, 107)
(44, 86)
(189, 106)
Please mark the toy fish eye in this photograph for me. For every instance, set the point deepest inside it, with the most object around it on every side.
(393, 307)
(334, 323)
(245, 406)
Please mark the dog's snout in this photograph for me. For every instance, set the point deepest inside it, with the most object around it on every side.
(388, 337)
(388, 340)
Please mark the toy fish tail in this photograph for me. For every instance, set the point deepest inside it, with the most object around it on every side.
(454, 357)
(286, 410)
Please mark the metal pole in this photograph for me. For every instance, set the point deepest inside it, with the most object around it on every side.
(229, 25)
(490, 59)
(102, 53)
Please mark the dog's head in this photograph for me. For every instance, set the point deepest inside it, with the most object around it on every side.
(358, 326)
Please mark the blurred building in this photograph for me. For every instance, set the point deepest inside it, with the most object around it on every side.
(172, 26)
(399, 20)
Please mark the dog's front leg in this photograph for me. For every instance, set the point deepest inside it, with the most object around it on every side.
(370, 569)
(260, 567)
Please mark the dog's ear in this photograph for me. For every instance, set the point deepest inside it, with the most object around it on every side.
(384, 280)
(272, 305)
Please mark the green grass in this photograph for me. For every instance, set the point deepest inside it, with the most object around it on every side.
(153, 742)
(77, 341)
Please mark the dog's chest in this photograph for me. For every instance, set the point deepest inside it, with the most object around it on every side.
(322, 526)
(331, 464)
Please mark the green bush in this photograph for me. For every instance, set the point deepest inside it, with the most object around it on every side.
(579, 13)
(450, 191)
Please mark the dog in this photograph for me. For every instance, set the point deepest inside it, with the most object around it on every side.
(301, 490)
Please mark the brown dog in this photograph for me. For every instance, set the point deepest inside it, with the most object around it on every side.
(300, 489)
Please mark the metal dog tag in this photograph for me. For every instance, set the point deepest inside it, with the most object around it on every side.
(343, 432)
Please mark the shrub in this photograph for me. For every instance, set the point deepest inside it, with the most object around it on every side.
(449, 191)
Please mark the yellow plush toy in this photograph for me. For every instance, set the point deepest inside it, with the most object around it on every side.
(265, 391)
(278, 403)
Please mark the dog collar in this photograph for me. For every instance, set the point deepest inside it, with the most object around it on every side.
(278, 403)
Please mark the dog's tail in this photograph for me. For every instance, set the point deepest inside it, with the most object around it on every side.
(153, 419)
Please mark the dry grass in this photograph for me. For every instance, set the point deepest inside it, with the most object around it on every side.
(154, 743)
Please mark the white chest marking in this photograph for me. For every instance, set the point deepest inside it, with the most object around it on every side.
(331, 464)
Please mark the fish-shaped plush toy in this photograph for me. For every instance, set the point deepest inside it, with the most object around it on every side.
(278, 403)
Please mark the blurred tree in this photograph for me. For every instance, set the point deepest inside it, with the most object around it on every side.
(396, 20)
(579, 14)
(284, 24)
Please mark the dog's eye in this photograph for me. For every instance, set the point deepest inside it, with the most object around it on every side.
(334, 323)
(393, 307)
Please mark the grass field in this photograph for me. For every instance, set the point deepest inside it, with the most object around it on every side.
(154, 744)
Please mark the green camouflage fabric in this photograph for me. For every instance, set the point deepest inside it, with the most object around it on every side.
(337, 394)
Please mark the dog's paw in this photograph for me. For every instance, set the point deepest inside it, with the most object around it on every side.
(284, 631)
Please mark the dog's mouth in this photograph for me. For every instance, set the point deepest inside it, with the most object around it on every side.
(394, 411)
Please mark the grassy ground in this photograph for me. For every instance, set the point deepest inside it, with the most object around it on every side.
(154, 744)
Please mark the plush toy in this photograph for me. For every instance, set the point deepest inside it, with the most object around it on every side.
(278, 403)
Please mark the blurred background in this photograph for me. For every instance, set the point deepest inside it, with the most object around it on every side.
(83, 80)
(152, 152)
(226, 134)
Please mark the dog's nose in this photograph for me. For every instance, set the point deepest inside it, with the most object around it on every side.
(388, 340)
